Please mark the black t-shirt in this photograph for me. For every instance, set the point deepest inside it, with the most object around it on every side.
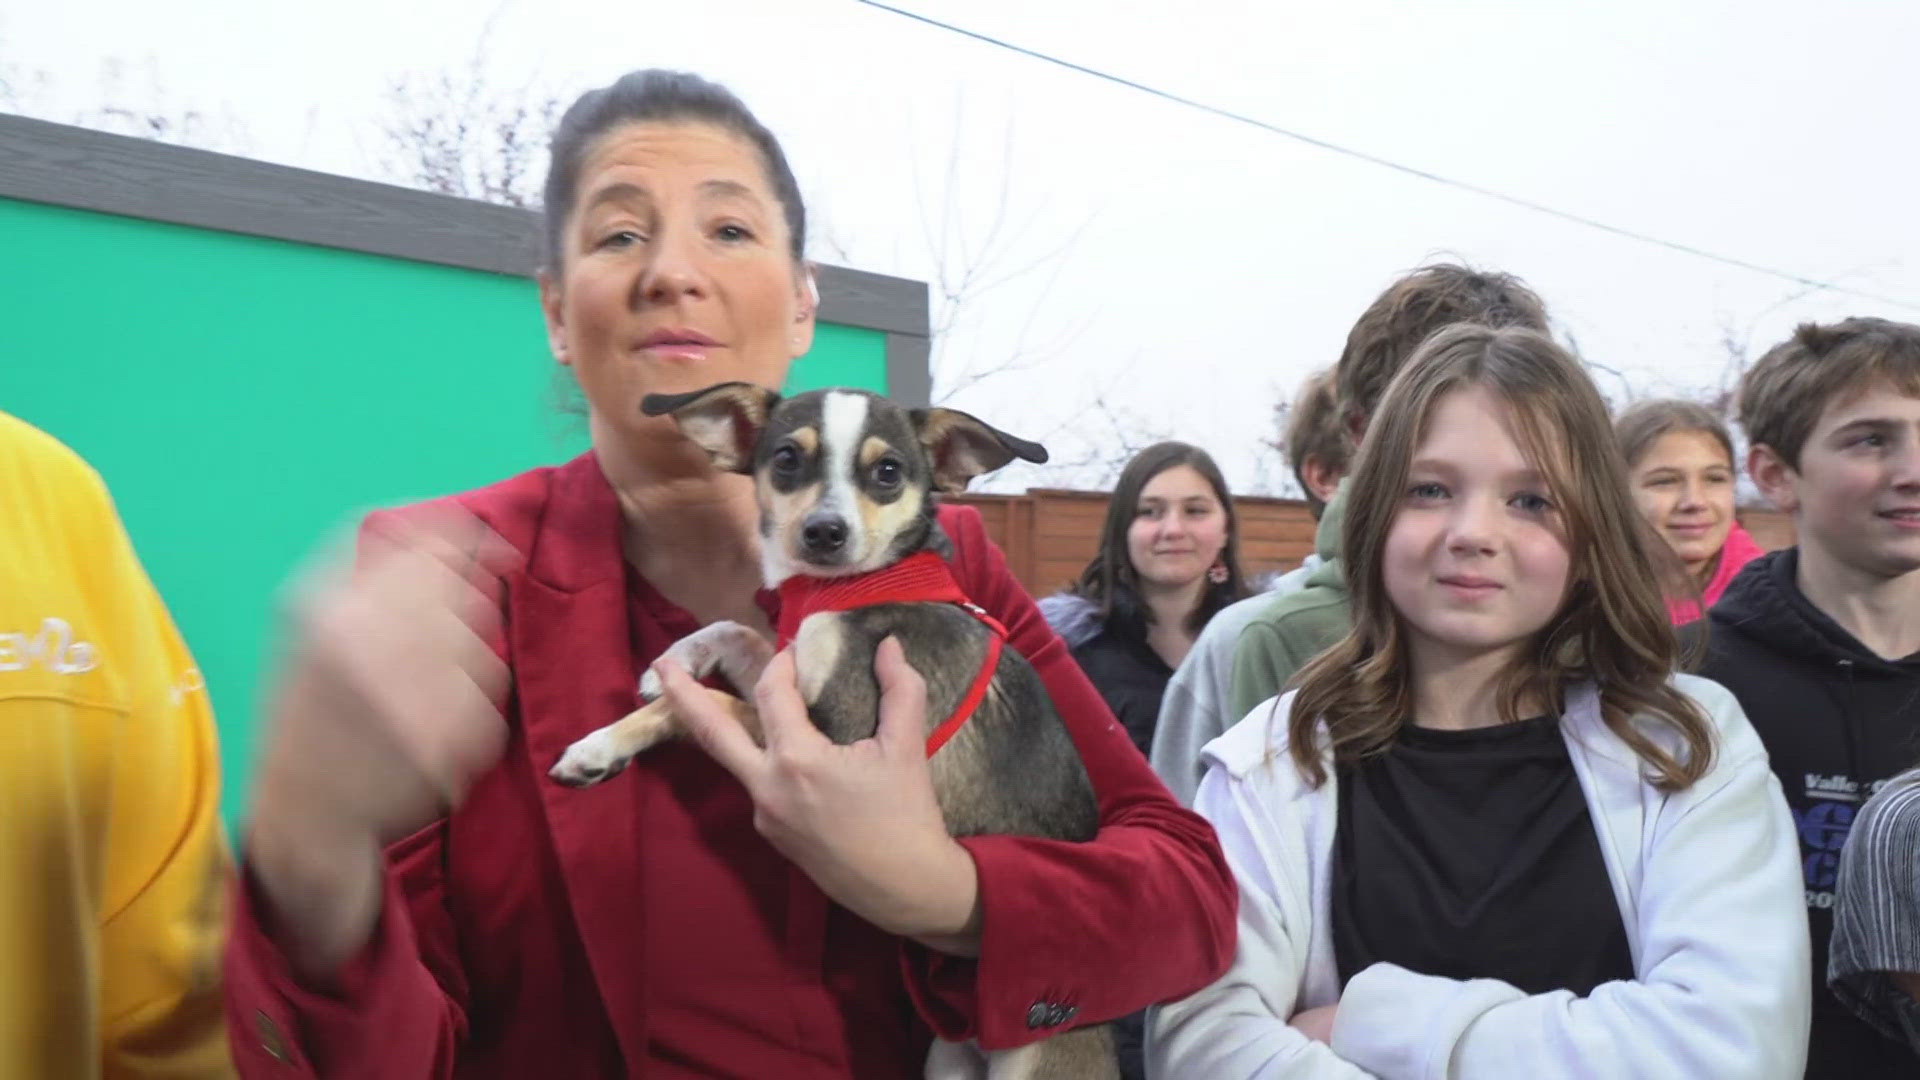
(1471, 854)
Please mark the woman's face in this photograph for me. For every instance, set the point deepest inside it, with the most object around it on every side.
(1179, 529)
(676, 271)
(1684, 487)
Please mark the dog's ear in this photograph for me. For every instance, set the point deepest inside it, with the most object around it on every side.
(724, 420)
(962, 447)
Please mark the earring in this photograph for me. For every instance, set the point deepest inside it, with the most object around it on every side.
(1217, 573)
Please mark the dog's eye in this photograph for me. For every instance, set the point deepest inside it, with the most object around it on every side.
(887, 472)
(786, 459)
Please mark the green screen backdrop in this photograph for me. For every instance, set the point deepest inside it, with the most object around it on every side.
(247, 397)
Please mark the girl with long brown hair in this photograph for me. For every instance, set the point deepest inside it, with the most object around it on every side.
(1491, 833)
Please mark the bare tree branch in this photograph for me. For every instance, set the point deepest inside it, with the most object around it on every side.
(459, 133)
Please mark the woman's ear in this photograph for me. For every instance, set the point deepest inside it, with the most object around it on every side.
(806, 311)
(552, 310)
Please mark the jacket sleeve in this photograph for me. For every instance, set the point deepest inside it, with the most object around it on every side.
(1723, 986)
(168, 867)
(395, 1011)
(1142, 913)
(1193, 712)
(1876, 912)
(1236, 1029)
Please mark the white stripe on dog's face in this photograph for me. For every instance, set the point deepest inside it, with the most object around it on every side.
(843, 426)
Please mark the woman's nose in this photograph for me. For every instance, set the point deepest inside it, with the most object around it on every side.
(671, 270)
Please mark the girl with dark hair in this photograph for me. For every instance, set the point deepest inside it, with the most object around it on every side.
(1166, 565)
(1681, 472)
(420, 900)
(1492, 834)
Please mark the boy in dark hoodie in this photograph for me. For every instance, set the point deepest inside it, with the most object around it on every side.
(1821, 642)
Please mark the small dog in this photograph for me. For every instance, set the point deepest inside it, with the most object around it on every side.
(847, 482)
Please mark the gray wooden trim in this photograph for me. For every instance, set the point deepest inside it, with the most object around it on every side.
(93, 170)
(909, 370)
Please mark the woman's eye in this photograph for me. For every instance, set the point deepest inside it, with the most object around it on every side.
(1428, 490)
(623, 238)
(887, 473)
(1532, 503)
(733, 234)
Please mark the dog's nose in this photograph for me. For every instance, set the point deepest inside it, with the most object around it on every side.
(824, 535)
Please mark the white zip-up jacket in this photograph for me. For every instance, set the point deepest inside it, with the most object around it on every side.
(1708, 883)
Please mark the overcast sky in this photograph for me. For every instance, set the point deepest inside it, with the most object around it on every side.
(1186, 269)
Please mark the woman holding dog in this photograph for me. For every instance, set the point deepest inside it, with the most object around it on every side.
(421, 901)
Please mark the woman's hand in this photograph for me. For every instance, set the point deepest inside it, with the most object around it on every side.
(1316, 1024)
(860, 819)
(382, 718)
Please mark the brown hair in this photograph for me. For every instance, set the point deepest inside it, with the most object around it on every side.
(1783, 395)
(1613, 628)
(1409, 312)
(1640, 426)
(1314, 432)
(1110, 581)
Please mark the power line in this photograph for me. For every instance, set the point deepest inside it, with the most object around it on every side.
(1399, 167)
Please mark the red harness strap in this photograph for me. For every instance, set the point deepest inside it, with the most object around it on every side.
(920, 578)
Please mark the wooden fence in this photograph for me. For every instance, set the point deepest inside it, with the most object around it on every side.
(1050, 534)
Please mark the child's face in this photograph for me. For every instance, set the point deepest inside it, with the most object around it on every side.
(1856, 494)
(1683, 485)
(1476, 560)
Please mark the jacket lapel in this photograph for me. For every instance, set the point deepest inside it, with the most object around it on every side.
(1610, 774)
(572, 658)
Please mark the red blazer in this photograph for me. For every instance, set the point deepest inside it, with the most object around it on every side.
(643, 928)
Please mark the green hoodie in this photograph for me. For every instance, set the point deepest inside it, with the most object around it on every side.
(1298, 626)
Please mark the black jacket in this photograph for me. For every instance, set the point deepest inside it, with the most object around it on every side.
(1121, 665)
(1837, 721)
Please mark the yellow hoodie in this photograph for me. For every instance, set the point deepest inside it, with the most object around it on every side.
(113, 868)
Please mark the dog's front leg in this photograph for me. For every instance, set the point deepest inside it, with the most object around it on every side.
(604, 753)
(726, 646)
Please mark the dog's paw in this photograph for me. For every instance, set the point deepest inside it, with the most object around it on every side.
(593, 759)
(651, 687)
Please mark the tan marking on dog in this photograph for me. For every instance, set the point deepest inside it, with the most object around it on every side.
(806, 438)
(883, 521)
(872, 450)
(816, 652)
(784, 512)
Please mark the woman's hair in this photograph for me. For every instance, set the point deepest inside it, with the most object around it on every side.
(1642, 425)
(659, 97)
(1110, 580)
(1613, 628)
(1314, 432)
